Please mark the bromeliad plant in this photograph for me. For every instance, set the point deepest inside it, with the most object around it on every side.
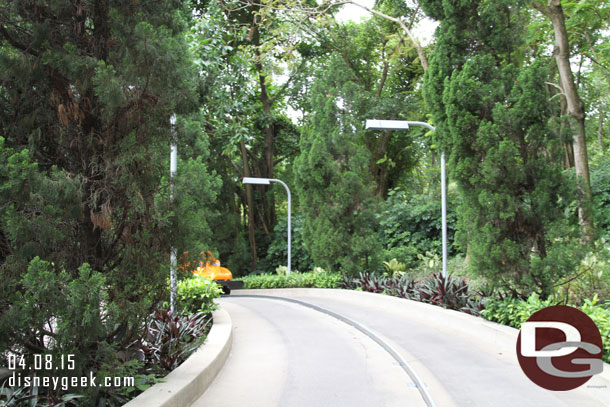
(452, 292)
(172, 337)
(448, 292)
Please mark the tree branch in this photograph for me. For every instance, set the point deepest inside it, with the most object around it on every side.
(420, 51)
(14, 43)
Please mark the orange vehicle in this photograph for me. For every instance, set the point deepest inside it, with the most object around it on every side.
(209, 267)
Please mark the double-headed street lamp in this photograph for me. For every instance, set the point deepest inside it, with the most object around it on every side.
(267, 181)
(404, 125)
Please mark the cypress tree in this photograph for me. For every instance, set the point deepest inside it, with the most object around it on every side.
(86, 93)
(491, 109)
(334, 184)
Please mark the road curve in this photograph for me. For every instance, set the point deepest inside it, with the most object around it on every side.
(288, 355)
(285, 354)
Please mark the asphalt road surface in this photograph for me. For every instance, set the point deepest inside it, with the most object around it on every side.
(289, 355)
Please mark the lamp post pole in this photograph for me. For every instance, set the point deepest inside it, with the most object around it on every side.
(173, 167)
(404, 125)
(267, 181)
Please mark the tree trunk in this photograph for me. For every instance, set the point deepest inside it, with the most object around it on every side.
(420, 50)
(567, 144)
(381, 170)
(554, 12)
(268, 150)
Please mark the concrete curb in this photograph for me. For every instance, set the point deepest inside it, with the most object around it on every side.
(502, 337)
(187, 382)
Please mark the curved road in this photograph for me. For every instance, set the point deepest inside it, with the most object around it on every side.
(288, 355)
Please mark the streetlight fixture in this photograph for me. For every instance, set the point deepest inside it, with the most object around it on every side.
(267, 181)
(404, 125)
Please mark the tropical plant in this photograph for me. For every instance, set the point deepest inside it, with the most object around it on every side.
(452, 292)
(29, 397)
(394, 268)
(448, 292)
(171, 337)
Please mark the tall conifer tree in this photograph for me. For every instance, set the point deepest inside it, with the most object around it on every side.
(491, 110)
(333, 180)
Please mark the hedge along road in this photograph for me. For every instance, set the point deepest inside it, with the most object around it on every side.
(286, 354)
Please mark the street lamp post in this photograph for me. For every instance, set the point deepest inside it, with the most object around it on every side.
(267, 181)
(173, 167)
(404, 125)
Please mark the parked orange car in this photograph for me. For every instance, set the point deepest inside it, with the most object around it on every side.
(209, 267)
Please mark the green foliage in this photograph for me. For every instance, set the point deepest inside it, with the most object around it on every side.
(172, 337)
(75, 305)
(333, 184)
(283, 270)
(491, 109)
(600, 188)
(514, 312)
(452, 292)
(29, 397)
(601, 316)
(112, 396)
(293, 280)
(411, 226)
(394, 268)
(85, 220)
(592, 277)
(278, 249)
(197, 294)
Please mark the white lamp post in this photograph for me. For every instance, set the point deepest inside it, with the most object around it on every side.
(404, 125)
(267, 181)
(173, 167)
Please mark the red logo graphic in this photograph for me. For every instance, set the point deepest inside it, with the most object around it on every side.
(560, 348)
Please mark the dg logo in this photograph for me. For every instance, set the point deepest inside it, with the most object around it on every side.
(560, 348)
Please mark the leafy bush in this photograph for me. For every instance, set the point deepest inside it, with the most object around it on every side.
(514, 312)
(83, 326)
(600, 188)
(601, 316)
(592, 277)
(412, 225)
(294, 280)
(278, 249)
(197, 294)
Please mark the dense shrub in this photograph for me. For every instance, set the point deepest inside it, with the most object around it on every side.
(412, 225)
(278, 250)
(600, 188)
(592, 277)
(294, 280)
(514, 312)
(197, 294)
